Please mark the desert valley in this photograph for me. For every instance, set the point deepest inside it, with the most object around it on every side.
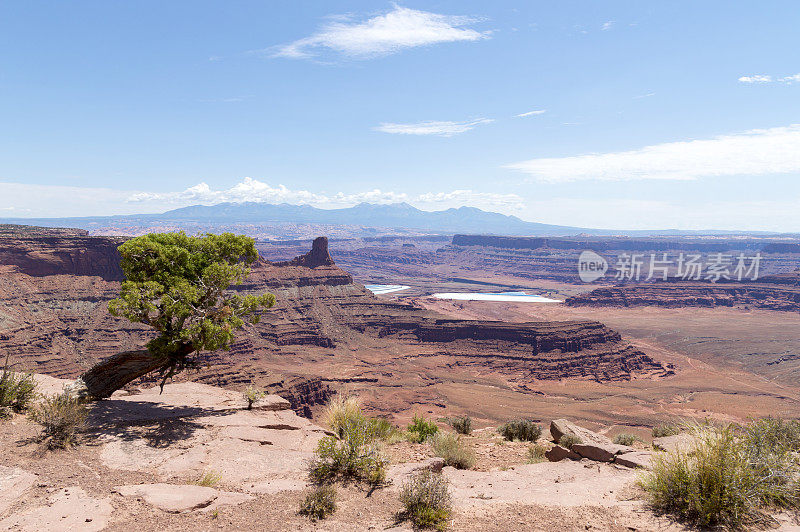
(405, 266)
(617, 358)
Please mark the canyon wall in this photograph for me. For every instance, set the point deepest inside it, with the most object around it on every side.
(778, 292)
(325, 328)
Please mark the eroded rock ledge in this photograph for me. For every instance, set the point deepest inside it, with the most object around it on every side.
(56, 322)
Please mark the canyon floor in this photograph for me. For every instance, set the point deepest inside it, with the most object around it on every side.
(729, 363)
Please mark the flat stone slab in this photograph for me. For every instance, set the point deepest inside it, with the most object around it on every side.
(13, 483)
(558, 453)
(193, 427)
(47, 385)
(682, 442)
(600, 452)
(635, 459)
(67, 509)
(562, 484)
(560, 427)
(179, 400)
(175, 498)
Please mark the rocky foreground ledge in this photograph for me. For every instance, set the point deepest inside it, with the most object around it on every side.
(141, 461)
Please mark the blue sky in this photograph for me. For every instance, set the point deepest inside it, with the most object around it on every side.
(641, 114)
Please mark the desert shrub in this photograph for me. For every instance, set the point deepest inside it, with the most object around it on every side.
(62, 417)
(17, 390)
(723, 479)
(421, 429)
(383, 429)
(666, 429)
(342, 411)
(426, 500)
(320, 503)
(568, 440)
(209, 479)
(536, 454)
(456, 454)
(520, 429)
(355, 454)
(767, 433)
(251, 395)
(462, 424)
(626, 439)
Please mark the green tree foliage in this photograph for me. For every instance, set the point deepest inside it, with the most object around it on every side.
(178, 285)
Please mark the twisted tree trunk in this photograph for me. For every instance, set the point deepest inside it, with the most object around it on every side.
(111, 374)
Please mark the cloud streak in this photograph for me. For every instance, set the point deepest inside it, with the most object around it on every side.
(765, 78)
(253, 190)
(754, 152)
(441, 129)
(532, 113)
(381, 35)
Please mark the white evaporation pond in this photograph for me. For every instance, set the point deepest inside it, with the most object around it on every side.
(519, 297)
(385, 288)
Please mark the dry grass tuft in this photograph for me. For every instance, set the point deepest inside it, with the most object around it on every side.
(426, 500)
(62, 417)
(449, 446)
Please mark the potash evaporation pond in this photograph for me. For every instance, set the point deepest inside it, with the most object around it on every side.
(519, 297)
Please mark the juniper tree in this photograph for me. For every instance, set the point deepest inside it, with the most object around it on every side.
(179, 286)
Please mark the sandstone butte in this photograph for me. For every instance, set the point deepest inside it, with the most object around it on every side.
(325, 329)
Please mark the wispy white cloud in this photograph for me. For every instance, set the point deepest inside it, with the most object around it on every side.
(607, 25)
(486, 200)
(765, 78)
(248, 189)
(442, 129)
(532, 113)
(371, 196)
(757, 78)
(27, 200)
(381, 35)
(756, 152)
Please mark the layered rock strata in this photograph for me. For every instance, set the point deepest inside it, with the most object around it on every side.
(323, 326)
(779, 292)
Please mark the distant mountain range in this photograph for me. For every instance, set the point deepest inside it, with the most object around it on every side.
(396, 216)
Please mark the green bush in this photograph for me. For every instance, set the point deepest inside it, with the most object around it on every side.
(626, 439)
(383, 428)
(521, 429)
(251, 395)
(62, 416)
(536, 454)
(421, 429)
(456, 454)
(320, 503)
(724, 478)
(356, 454)
(426, 500)
(568, 440)
(769, 432)
(17, 390)
(462, 425)
(666, 429)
